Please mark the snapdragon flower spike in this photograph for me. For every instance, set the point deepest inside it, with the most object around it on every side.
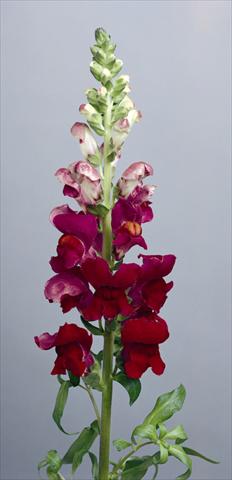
(69, 289)
(133, 177)
(72, 345)
(110, 297)
(151, 289)
(140, 338)
(88, 144)
(81, 182)
(80, 231)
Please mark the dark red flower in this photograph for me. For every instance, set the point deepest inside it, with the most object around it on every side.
(141, 337)
(151, 289)
(72, 345)
(110, 297)
(80, 231)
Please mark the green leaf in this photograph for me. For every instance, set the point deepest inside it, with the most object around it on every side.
(178, 452)
(81, 445)
(166, 405)
(162, 430)
(144, 431)
(73, 379)
(94, 462)
(132, 386)
(53, 463)
(178, 433)
(194, 453)
(163, 454)
(136, 468)
(94, 330)
(61, 400)
(121, 444)
(99, 210)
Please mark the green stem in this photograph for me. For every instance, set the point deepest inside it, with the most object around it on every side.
(93, 401)
(121, 462)
(108, 336)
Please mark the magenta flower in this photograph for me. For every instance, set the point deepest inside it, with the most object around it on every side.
(82, 182)
(110, 297)
(126, 225)
(132, 177)
(88, 144)
(72, 345)
(151, 289)
(141, 337)
(69, 288)
(80, 231)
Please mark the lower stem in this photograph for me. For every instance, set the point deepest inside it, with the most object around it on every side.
(106, 406)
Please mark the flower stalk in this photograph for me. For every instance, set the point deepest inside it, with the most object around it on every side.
(108, 335)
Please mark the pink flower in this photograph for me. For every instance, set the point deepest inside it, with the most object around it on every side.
(80, 231)
(126, 225)
(133, 177)
(88, 144)
(72, 345)
(68, 288)
(82, 182)
(122, 128)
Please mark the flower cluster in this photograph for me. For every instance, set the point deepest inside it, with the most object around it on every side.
(135, 292)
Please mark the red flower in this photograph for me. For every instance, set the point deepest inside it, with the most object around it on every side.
(151, 289)
(80, 232)
(141, 338)
(72, 345)
(110, 297)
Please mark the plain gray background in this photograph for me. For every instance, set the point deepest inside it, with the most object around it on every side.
(178, 56)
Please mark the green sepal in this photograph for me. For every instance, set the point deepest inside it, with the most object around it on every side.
(194, 453)
(52, 461)
(166, 405)
(94, 378)
(60, 403)
(121, 444)
(95, 159)
(96, 125)
(94, 462)
(73, 379)
(98, 210)
(178, 452)
(132, 385)
(81, 446)
(94, 330)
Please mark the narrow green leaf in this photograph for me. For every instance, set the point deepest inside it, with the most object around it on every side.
(178, 452)
(94, 330)
(144, 431)
(136, 468)
(162, 430)
(54, 461)
(178, 433)
(81, 445)
(166, 405)
(121, 444)
(132, 386)
(194, 453)
(94, 462)
(61, 400)
(163, 454)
